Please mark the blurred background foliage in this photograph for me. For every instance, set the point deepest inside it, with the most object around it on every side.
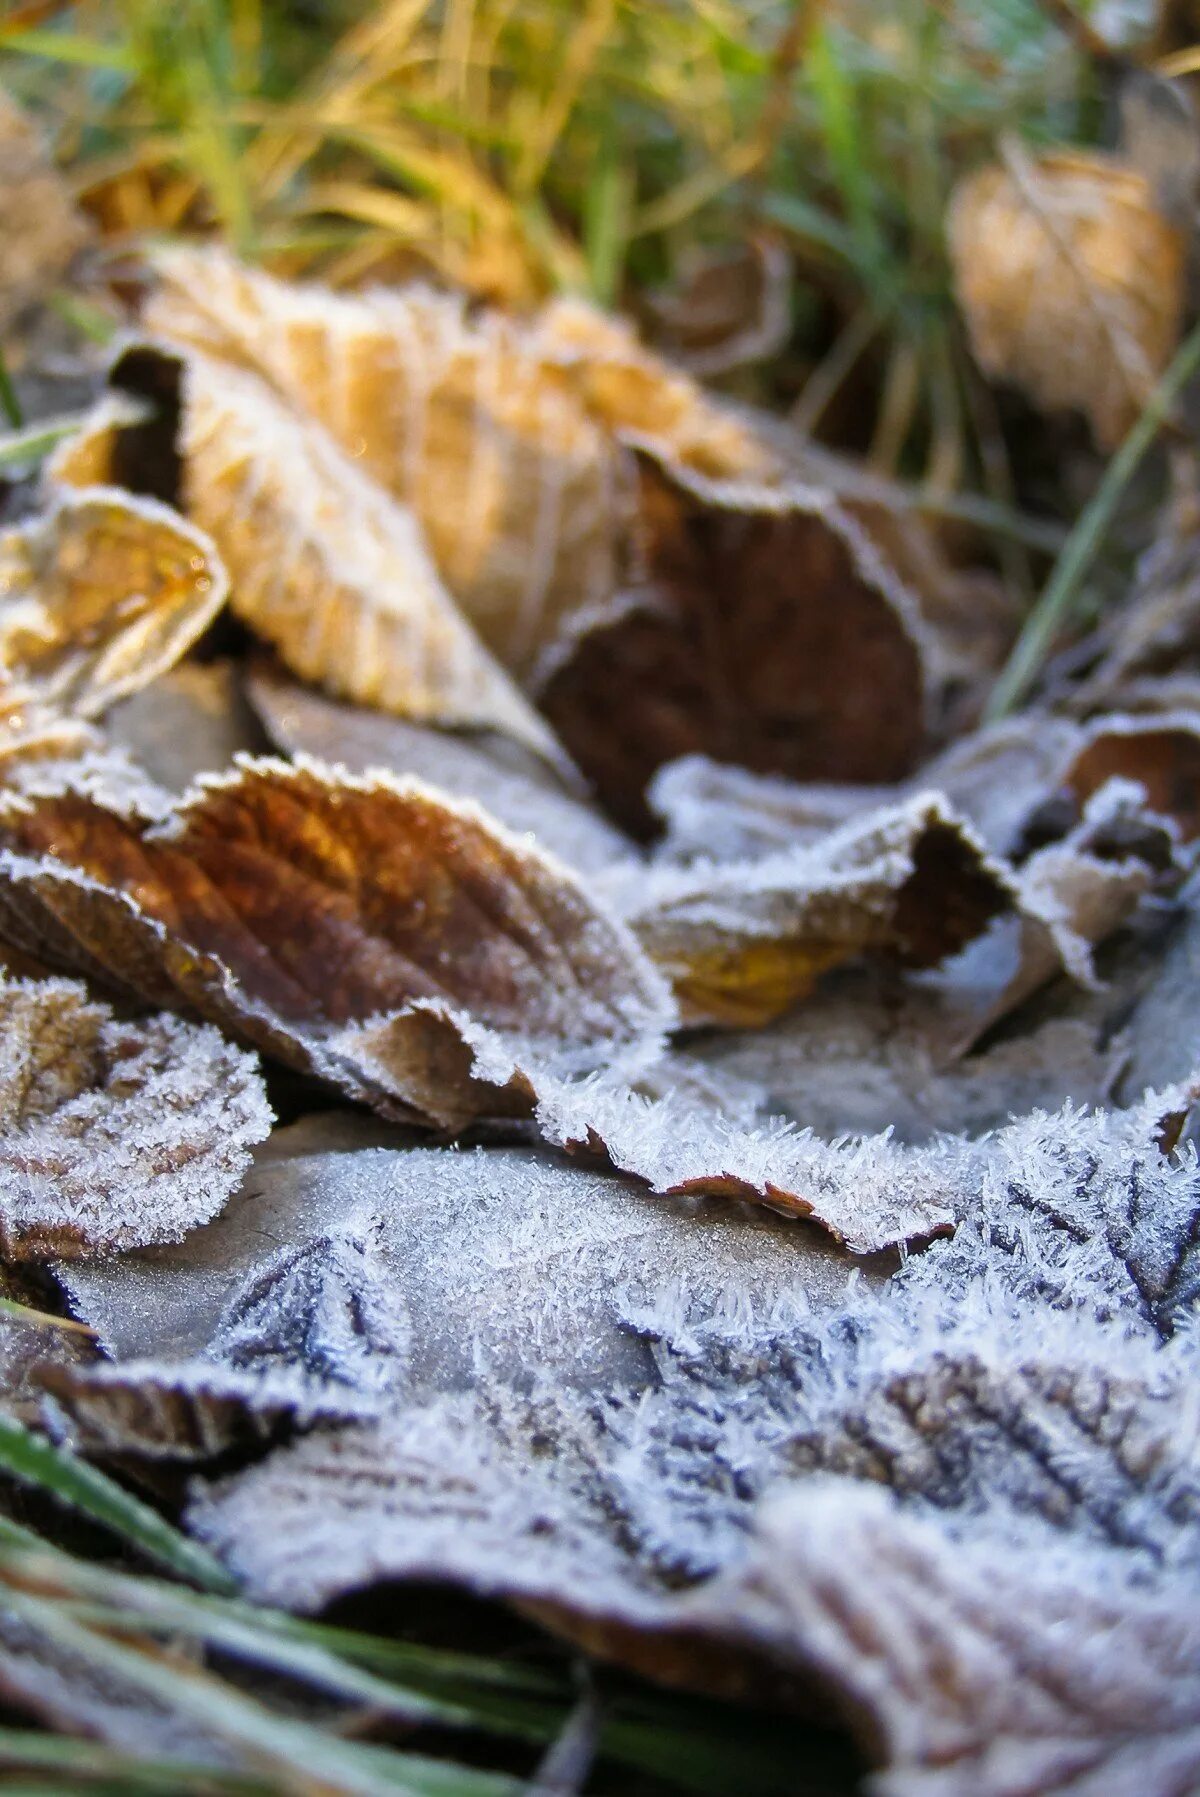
(623, 149)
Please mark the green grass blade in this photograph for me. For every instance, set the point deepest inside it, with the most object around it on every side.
(299, 1750)
(36, 1461)
(29, 1750)
(24, 449)
(65, 46)
(123, 1602)
(1087, 536)
(9, 403)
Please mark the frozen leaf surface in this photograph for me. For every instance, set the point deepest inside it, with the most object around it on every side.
(329, 568)
(359, 929)
(1073, 1681)
(742, 943)
(424, 1271)
(98, 597)
(114, 1135)
(717, 1518)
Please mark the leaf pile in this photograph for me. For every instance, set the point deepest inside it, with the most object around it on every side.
(755, 1234)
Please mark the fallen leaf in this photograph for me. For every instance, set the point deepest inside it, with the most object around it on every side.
(358, 929)
(97, 597)
(403, 1273)
(762, 630)
(497, 436)
(958, 1694)
(330, 570)
(192, 720)
(1162, 754)
(1071, 280)
(180, 1411)
(742, 943)
(114, 1135)
(513, 785)
(1010, 1384)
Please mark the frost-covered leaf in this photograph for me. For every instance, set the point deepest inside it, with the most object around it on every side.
(181, 1411)
(1008, 1383)
(359, 929)
(868, 1194)
(97, 597)
(742, 943)
(1071, 279)
(513, 785)
(113, 1134)
(370, 1270)
(761, 628)
(498, 436)
(1162, 754)
(329, 568)
(1060, 1676)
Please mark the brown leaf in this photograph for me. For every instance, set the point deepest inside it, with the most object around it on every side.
(330, 570)
(516, 787)
(742, 943)
(1072, 281)
(356, 929)
(97, 598)
(497, 436)
(764, 631)
(114, 1135)
(1161, 753)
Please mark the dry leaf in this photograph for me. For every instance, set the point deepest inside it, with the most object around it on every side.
(742, 943)
(389, 1274)
(39, 226)
(356, 929)
(191, 721)
(513, 785)
(330, 570)
(1020, 1387)
(98, 597)
(114, 1135)
(497, 436)
(764, 631)
(1072, 282)
(181, 1411)
(1074, 1680)
(1162, 754)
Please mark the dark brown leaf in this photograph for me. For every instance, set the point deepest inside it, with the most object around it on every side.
(763, 630)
